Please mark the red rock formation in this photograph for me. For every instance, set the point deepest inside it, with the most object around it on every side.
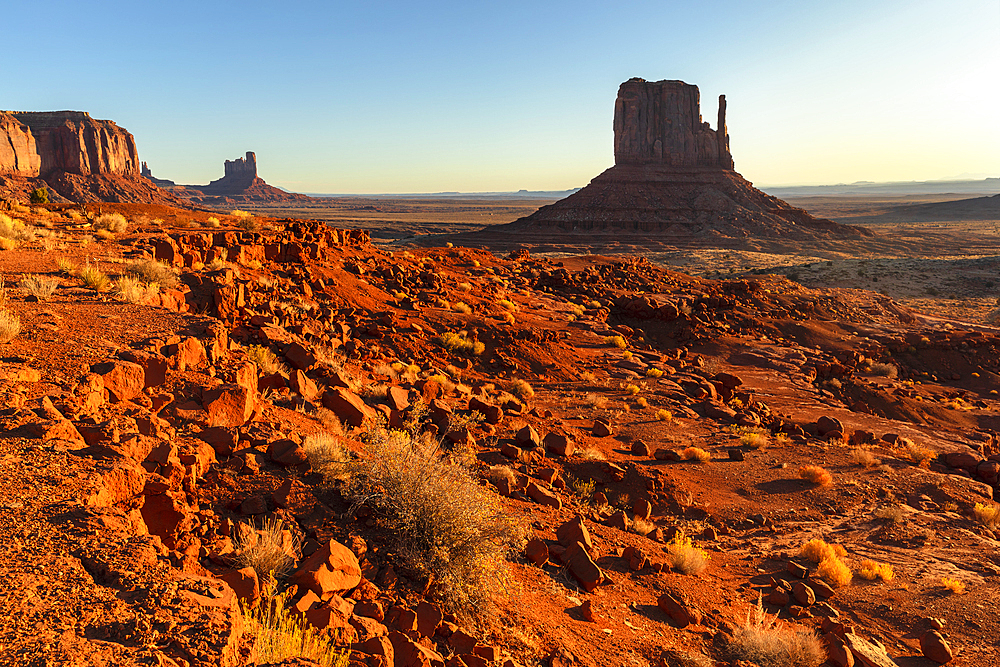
(673, 182)
(18, 154)
(73, 142)
(239, 184)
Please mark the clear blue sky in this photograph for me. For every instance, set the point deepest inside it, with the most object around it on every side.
(468, 96)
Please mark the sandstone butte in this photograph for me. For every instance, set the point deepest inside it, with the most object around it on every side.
(144, 443)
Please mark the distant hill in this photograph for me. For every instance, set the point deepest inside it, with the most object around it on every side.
(520, 194)
(986, 186)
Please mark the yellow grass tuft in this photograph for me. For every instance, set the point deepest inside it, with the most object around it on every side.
(954, 585)
(914, 452)
(864, 458)
(664, 415)
(695, 454)
(10, 325)
(616, 341)
(988, 514)
(834, 572)
(762, 641)
(521, 389)
(279, 633)
(870, 570)
(684, 557)
(95, 279)
(755, 440)
(462, 307)
(817, 550)
(457, 342)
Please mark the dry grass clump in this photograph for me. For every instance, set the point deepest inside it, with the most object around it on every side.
(954, 585)
(641, 402)
(458, 342)
(884, 370)
(591, 454)
(264, 358)
(632, 390)
(95, 279)
(461, 307)
(684, 557)
(152, 271)
(465, 287)
(133, 290)
(15, 230)
(10, 325)
(893, 514)
(328, 456)
(496, 474)
(831, 568)
(40, 287)
(642, 527)
(988, 515)
(817, 550)
(695, 454)
(213, 222)
(616, 341)
(7, 244)
(664, 415)
(595, 400)
(755, 440)
(763, 642)
(447, 526)
(870, 570)
(914, 452)
(816, 474)
(507, 305)
(521, 389)
(864, 458)
(115, 223)
(270, 550)
(654, 372)
(279, 633)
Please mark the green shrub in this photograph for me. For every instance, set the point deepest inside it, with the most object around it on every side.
(40, 196)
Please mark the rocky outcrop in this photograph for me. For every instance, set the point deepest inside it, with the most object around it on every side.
(659, 122)
(148, 175)
(74, 156)
(75, 143)
(18, 154)
(673, 183)
(240, 184)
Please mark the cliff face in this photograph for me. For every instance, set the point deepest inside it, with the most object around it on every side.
(659, 122)
(75, 143)
(18, 153)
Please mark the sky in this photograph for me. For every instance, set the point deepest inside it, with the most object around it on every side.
(405, 97)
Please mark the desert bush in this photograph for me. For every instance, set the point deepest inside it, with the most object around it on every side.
(7, 244)
(95, 279)
(616, 341)
(279, 633)
(755, 440)
(10, 325)
(134, 290)
(462, 307)
(264, 358)
(884, 370)
(914, 452)
(465, 287)
(595, 400)
(213, 222)
(498, 473)
(40, 287)
(15, 230)
(988, 514)
(695, 454)
(761, 641)
(864, 458)
(654, 372)
(152, 271)
(684, 557)
(237, 213)
(582, 488)
(521, 389)
(507, 305)
(40, 196)
(664, 415)
(111, 222)
(817, 550)
(816, 474)
(834, 572)
(104, 234)
(870, 570)
(954, 585)
(632, 390)
(447, 526)
(270, 550)
(591, 454)
(893, 514)
(328, 456)
(65, 266)
(642, 527)
(458, 342)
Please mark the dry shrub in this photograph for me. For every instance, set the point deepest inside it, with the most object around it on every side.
(914, 452)
(10, 325)
(595, 400)
(213, 222)
(521, 389)
(954, 585)
(115, 223)
(642, 526)
(642, 402)
(152, 271)
(817, 550)
(834, 572)
(270, 550)
(870, 570)
(15, 230)
(95, 279)
(684, 557)
(816, 474)
(507, 305)
(884, 370)
(591, 454)
(133, 290)
(654, 372)
(447, 526)
(498, 473)
(755, 440)
(266, 360)
(695, 454)
(865, 458)
(465, 287)
(763, 642)
(616, 341)
(40, 287)
(458, 342)
(893, 514)
(328, 456)
(280, 633)
(664, 415)
(988, 515)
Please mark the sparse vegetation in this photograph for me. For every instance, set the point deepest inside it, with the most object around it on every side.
(595, 400)
(462, 307)
(591, 454)
(459, 342)
(95, 279)
(616, 341)
(884, 370)
(264, 358)
(914, 452)
(954, 585)
(40, 287)
(816, 474)
(684, 557)
(870, 570)
(270, 550)
(10, 324)
(834, 572)
(987, 514)
(632, 390)
(521, 389)
(817, 550)
(664, 415)
(279, 633)
(152, 271)
(40, 196)
(864, 458)
(328, 456)
(115, 223)
(763, 642)
(447, 526)
(695, 454)
(133, 290)
(755, 440)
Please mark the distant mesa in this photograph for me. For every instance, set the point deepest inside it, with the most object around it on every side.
(240, 184)
(78, 158)
(673, 183)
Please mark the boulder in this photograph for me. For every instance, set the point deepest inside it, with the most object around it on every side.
(348, 406)
(123, 380)
(331, 569)
(228, 405)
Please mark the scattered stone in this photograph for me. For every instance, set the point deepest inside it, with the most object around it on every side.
(934, 647)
